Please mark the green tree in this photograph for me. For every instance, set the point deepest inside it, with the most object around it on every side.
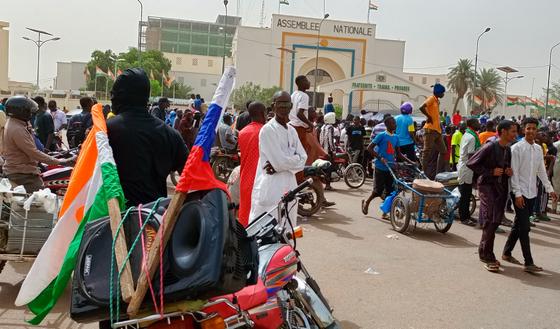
(152, 61)
(461, 79)
(252, 92)
(155, 88)
(177, 90)
(489, 89)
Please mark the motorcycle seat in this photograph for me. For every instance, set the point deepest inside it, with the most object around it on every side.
(248, 298)
(311, 171)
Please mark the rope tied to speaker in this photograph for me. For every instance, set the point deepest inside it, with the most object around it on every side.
(114, 316)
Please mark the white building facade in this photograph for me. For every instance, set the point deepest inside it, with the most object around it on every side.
(352, 63)
(4, 54)
(70, 75)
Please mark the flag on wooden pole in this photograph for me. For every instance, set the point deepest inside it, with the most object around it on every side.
(99, 72)
(373, 6)
(94, 182)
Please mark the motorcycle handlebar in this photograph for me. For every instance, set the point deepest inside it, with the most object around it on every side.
(290, 196)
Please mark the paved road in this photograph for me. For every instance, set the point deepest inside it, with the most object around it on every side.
(423, 280)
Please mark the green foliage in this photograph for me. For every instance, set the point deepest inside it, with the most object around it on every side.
(554, 92)
(155, 88)
(488, 88)
(152, 61)
(461, 79)
(252, 92)
(338, 111)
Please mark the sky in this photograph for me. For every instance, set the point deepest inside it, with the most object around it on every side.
(437, 32)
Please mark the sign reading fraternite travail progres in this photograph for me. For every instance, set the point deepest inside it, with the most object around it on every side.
(336, 28)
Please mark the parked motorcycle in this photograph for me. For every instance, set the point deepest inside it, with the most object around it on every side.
(354, 174)
(308, 199)
(223, 164)
(285, 296)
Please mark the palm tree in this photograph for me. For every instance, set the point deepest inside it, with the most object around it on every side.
(460, 79)
(488, 89)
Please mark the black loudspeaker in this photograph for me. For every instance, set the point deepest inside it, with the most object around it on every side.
(208, 255)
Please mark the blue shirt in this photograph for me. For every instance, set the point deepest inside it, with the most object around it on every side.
(197, 104)
(405, 126)
(328, 108)
(386, 148)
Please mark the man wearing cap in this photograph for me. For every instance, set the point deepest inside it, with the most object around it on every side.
(146, 150)
(433, 155)
(406, 130)
(159, 110)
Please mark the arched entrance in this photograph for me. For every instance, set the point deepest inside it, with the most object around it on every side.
(328, 71)
(322, 77)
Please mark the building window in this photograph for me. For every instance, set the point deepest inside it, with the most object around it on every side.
(179, 61)
(424, 80)
(210, 63)
(411, 78)
(195, 61)
(203, 82)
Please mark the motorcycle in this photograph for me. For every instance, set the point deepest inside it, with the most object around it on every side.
(57, 177)
(223, 164)
(308, 199)
(354, 174)
(285, 296)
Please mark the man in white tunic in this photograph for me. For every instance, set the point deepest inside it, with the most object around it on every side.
(281, 156)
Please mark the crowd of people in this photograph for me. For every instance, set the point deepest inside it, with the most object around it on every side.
(510, 162)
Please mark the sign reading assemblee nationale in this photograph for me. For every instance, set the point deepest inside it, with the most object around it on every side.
(296, 24)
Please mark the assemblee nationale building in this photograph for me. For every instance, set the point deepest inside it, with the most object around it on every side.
(358, 69)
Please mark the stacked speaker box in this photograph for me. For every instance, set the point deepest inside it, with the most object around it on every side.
(208, 255)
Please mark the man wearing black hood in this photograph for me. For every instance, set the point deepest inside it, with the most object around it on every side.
(145, 149)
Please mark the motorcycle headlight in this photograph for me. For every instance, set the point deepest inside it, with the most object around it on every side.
(215, 322)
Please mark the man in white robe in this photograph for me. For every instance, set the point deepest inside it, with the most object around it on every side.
(281, 156)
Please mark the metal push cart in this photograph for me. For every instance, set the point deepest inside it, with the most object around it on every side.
(413, 204)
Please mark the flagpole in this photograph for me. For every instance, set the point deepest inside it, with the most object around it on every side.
(106, 86)
(121, 251)
(162, 86)
(95, 85)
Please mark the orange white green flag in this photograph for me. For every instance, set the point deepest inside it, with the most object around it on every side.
(94, 181)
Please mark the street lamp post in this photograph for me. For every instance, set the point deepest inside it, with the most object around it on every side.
(548, 79)
(476, 66)
(140, 32)
(317, 63)
(225, 38)
(39, 43)
(507, 80)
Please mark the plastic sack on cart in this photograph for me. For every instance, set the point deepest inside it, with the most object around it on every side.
(5, 185)
(451, 202)
(45, 197)
(386, 205)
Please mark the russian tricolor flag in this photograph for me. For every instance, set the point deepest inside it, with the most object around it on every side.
(197, 174)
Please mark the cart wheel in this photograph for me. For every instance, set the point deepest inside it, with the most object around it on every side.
(472, 205)
(442, 227)
(400, 214)
(355, 175)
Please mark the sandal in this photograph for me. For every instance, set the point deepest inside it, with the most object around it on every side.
(364, 208)
(532, 268)
(385, 217)
(492, 267)
(511, 259)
